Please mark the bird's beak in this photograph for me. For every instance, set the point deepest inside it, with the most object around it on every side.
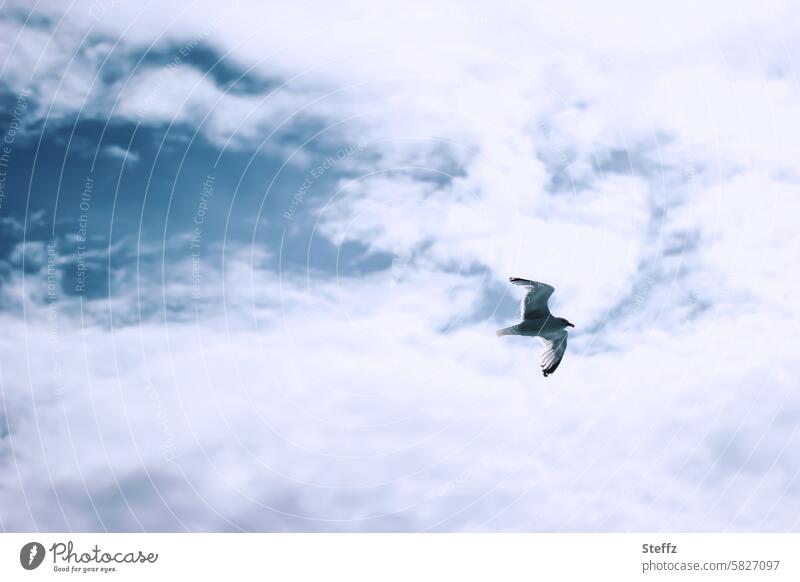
(569, 324)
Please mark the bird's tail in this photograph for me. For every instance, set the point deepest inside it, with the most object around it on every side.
(506, 331)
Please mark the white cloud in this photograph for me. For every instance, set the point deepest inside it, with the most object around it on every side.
(643, 162)
(351, 411)
(127, 156)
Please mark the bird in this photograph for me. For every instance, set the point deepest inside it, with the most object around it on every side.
(537, 321)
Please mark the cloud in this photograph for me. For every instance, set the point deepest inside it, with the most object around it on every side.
(339, 370)
(412, 429)
(127, 156)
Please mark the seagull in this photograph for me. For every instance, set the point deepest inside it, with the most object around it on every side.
(538, 322)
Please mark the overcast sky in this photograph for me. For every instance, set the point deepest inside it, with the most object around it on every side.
(252, 257)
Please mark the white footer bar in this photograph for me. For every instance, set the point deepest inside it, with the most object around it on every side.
(406, 557)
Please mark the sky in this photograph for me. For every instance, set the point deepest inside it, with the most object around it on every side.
(253, 255)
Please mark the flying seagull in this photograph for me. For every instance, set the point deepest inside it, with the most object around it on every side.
(538, 322)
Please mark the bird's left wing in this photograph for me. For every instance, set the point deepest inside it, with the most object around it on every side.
(555, 345)
(534, 305)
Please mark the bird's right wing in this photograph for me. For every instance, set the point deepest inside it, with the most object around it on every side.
(555, 345)
(534, 306)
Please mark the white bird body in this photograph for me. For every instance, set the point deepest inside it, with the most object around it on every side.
(537, 321)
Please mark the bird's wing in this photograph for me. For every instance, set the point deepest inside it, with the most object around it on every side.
(534, 306)
(555, 344)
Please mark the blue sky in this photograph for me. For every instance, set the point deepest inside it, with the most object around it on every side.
(252, 258)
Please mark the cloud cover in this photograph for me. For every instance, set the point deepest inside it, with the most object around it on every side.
(337, 370)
